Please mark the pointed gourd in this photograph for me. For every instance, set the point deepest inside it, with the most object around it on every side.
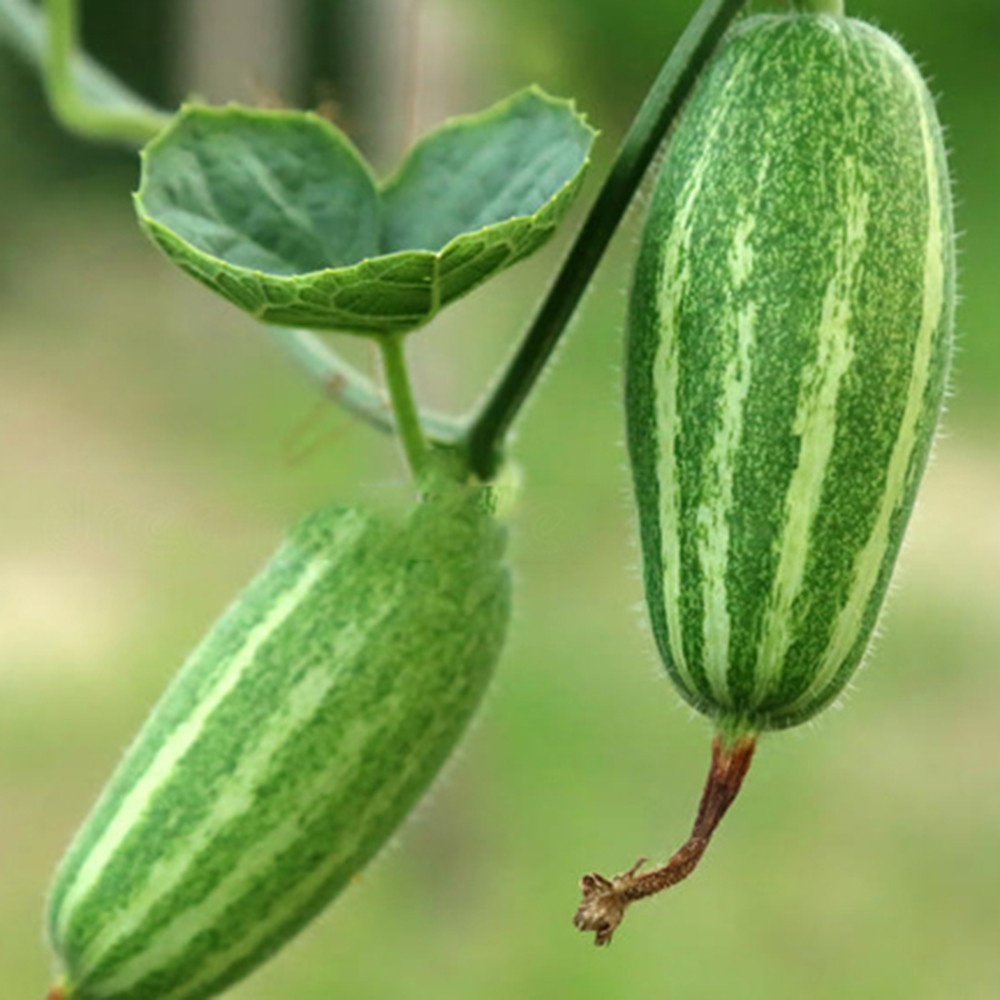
(293, 742)
(788, 346)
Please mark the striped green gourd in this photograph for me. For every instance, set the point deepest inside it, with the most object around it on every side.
(788, 346)
(293, 742)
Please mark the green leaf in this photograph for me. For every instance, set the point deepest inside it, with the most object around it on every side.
(278, 212)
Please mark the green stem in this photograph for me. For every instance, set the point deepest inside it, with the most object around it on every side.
(128, 124)
(404, 405)
(23, 27)
(351, 390)
(484, 442)
(820, 6)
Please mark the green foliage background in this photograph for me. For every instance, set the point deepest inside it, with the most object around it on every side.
(152, 446)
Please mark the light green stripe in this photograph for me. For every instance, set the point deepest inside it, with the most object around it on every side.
(816, 426)
(288, 906)
(237, 797)
(184, 736)
(166, 943)
(714, 512)
(674, 281)
(868, 565)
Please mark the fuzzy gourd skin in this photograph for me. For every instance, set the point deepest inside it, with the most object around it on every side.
(294, 741)
(787, 353)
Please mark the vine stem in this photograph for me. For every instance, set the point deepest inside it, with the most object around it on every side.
(23, 27)
(351, 390)
(488, 429)
(404, 405)
(131, 125)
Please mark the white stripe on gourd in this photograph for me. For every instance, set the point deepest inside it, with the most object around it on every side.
(182, 738)
(675, 279)
(713, 516)
(938, 248)
(815, 425)
(236, 798)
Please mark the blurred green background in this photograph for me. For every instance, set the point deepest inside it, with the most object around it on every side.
(153, 446)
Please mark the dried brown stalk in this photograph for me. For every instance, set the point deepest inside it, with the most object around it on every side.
(606, 900)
